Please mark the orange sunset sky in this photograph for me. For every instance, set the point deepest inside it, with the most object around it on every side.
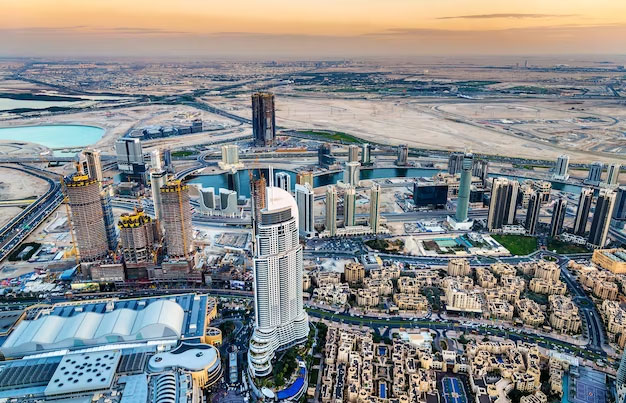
(317, 28)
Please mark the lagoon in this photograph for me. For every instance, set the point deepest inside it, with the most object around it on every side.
(54, 136)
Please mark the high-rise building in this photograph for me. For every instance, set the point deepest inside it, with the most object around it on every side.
(331, 210)
(602, 218)
(304, 178)
(130, 159)
(353, 153)
(158, 179)
(138, 235)
(462, 204)
(109, 220)
(582, 212)
(349, 206)
(620, 379)
(207, 201)
(167, 160)
(543, 188)
(612, 174)
(305, 202)
(176, 211)
(263, 119)
(156, 162)
(619, 212)
(324, 156)
(560, 169)
(503, 205)
(230, 157)
(283, 181)
(595, 173)
(354, 273)
(402, 158)
(366, 154)
(93, 164)
(83, 198)
(431, 195)
(280, 319)
(558, 216)
(257, 194)
(228, 202)
(532, 214)
(455, 163)
(351, 173)
(375, 208)
(481, 170)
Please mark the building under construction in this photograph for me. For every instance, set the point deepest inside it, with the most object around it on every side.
(83, 198)
(263, 118)
(176, 212)
(139, 236)
(257, 194)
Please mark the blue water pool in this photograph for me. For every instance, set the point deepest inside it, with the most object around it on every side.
(54, 136)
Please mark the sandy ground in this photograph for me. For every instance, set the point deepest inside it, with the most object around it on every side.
(19, 185)
(6, 213)
(528, 128)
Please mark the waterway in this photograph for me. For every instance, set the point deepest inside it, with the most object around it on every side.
(54, 136)
(240, 181)
(7, 104)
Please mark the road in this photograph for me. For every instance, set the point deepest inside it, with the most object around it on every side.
(16, 230)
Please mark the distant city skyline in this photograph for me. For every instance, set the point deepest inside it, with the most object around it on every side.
(324, 28)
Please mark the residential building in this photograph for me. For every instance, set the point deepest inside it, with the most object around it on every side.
(138, 235)
(93, 164)
(612, 174)
(331, 210)
(283, 181)
(375, 208)
(585, 201)
(353, 153)
(263, 119)
(532, 214)
(305, 202)
(558, 217)
(503, 204)
(594, 177)
(602, 218)
(366, 154)
(354, 273)
(351, 173)
(176, 213)
(349, 206)
(561, 167)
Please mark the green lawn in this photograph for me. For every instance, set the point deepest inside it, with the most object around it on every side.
(183, 153)
(333, 136)
(517, 244)
(565, 248)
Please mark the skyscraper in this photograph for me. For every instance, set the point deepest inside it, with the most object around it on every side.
(109, 220)
(462, 204)
(375, 208)
(257, 195)
(331, 210)
(263, 119)
(324, 156)
(230, 157)
(130, 159)
(138, 235)
(558, 216)
(83, 198)
(304, 178)
(280, 319)
(612, 174)
(620, 379)
(595, 173)
(93, 164)
(481, 170)
(158, 179)
(619, 212)
(349, 207)
(455, 163)
(353, 153)
(283, 181)
(156, 162)
(304, 200)
(167, 160)
(366, 154)
(532, 214)
(503, 205)
(560, 169)
(176, 211)
(582, 212)
(402, 158)
(602, 218)
(351, 173)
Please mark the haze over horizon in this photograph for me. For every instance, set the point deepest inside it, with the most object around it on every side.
(323, 28)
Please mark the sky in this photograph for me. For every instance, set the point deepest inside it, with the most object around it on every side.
(310, 28)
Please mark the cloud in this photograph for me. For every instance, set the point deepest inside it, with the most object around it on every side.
(505, 15)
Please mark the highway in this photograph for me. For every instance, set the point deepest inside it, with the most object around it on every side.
(16, 230)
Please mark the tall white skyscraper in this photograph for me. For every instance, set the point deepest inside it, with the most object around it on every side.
(304, 200)
(156, 162)
(560, 169)
(349, 207)
(602, 218)
(158, 179)
(280, 319)
(351, 173)
(93, 164)
(595, 173)
(353, 153)
(612, 174)
(375, 208)
(331, 210)
(283, 181)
